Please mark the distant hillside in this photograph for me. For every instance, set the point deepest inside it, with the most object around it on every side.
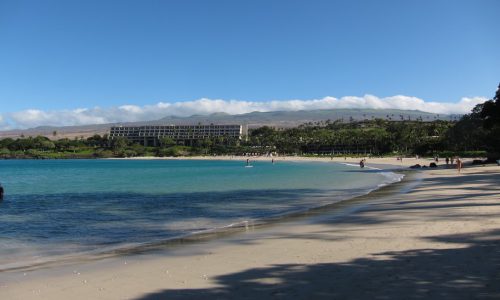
(252, 120)
(295, 118)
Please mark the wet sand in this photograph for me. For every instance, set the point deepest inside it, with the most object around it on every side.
(433, 237)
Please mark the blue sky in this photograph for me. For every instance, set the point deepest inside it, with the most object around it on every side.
(57, 56)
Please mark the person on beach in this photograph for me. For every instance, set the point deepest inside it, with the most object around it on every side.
(459, 164)
(447, 160)
(362, 163)
(1, 192)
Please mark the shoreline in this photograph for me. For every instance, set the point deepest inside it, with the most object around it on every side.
(388, 163)
(209, 234)
(339, 209)
(422, 243)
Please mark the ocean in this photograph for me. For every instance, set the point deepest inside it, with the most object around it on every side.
(54, 209)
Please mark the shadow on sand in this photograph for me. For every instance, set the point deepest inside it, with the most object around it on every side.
(472, 272)
(468, 269)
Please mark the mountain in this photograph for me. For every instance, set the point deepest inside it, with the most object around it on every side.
(252, 120)
(295, 118)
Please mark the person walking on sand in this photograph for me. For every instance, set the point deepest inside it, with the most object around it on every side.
(459, 164)
(447, 160)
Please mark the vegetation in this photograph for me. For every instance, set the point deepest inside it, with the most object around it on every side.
(377, 137)
(475, 134)
(481, 128)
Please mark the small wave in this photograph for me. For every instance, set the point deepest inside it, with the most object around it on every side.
(350, 165)
(393, 177)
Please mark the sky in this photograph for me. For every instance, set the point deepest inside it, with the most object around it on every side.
(75, 62)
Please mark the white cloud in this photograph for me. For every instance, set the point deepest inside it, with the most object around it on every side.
(2, 121)
(129, 113)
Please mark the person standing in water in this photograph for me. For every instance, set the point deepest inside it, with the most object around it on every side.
(1, 192)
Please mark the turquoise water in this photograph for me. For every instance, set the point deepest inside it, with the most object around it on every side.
(54, 208)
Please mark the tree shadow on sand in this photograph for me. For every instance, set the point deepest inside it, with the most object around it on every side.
(472, 272)
(468, 269)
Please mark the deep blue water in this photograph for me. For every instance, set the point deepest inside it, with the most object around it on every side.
(60, 207)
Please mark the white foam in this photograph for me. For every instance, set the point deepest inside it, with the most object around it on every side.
(391, 176)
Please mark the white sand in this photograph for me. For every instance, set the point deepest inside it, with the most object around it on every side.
(388, 162)
(439, 240)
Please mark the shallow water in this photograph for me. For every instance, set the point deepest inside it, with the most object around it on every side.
(59, 207)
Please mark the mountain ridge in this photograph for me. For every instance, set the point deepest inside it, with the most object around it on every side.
(252, 119)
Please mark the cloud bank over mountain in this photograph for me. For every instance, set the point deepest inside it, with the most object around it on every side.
(130, 113)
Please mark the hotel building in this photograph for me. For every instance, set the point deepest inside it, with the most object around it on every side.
(150, 135)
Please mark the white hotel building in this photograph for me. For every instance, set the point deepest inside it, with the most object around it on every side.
(150, 135)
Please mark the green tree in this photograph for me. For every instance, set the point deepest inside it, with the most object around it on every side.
(166, 142)
(490, 114)
(118, 144)
(468, 133)
(5, 153)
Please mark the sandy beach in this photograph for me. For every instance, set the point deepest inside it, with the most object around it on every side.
(385, 162)
(435, 235)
